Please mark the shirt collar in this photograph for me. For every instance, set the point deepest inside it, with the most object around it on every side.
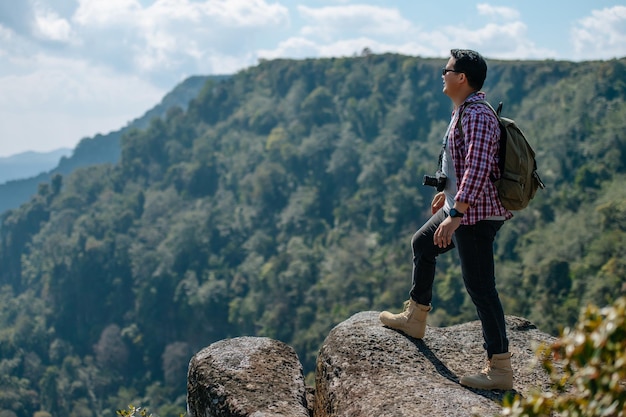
(475, 96)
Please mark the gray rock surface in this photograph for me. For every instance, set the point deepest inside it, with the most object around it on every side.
(246, 376)
(365, 369)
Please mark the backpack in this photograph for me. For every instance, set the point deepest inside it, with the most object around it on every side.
(519, 179)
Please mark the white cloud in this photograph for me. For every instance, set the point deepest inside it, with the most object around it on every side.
(106, 13)
(245, 13)
(50, 26)
(504, 36)
(175, 35)
(238, 13)
(331, 22)
(346, 30)
(295, 47)
(230, 64)
(502, 41)
(506, 13)
(601, 35)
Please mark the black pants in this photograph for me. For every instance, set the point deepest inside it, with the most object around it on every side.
(475, 247)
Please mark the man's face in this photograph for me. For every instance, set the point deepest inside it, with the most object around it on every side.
(450, 78)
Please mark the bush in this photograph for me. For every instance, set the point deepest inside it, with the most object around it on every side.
(134, 412)
(592, 381)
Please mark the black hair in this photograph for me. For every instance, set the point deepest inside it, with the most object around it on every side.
(472, 64)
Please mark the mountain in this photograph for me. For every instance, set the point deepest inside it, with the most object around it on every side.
(99, 149)
(28, 164)
(280, 202)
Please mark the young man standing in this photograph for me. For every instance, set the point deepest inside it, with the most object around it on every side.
(467, 215)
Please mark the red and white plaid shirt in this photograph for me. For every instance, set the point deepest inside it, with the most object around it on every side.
(475, 157)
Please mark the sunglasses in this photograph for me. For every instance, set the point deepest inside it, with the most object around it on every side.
(444, 71)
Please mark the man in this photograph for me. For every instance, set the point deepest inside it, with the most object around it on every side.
(467, 215)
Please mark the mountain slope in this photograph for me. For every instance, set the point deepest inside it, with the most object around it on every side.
(279, 203)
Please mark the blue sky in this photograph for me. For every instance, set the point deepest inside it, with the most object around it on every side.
(70, 69)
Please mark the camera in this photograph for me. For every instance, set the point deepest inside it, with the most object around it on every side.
(438, 181)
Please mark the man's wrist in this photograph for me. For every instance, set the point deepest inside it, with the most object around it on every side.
(456, 213)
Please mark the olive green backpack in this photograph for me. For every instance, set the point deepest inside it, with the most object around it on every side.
(519, 179)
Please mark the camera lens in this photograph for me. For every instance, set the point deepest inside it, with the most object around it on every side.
(430, 181)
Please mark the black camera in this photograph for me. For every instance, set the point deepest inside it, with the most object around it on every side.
(438, 181)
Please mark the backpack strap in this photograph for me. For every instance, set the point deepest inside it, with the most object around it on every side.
(496, 112)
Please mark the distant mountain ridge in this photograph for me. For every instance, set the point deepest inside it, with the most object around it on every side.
(29, 163)
(100, 149)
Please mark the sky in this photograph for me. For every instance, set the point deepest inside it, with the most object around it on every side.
(71, 69)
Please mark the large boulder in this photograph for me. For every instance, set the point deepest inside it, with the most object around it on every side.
(365, 369)
(246, 376)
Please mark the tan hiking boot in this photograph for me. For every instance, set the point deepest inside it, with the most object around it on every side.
(497, 375)
(411, 321)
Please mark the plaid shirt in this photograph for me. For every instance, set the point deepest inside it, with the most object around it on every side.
(475, 158)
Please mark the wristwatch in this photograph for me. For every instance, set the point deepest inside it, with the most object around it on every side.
(455, 213)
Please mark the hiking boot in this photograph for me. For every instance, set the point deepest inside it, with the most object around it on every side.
(497, 375)
(411, 321)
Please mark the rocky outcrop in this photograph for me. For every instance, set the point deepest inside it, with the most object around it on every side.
(363, 370)
(246, 376)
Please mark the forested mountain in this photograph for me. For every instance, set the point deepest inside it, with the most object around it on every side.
(102, 148)
(279, 203)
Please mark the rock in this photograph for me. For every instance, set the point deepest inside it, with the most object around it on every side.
(246, 376)
(365, 369)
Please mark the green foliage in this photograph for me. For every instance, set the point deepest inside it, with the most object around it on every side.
(591, 380)
(279, 203)
(136, 412)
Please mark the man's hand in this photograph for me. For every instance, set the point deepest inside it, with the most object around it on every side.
(438, 201)
(443, 234)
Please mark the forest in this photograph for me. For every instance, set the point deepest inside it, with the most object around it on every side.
(281, 201)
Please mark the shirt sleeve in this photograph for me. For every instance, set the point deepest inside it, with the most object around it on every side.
(480, 135)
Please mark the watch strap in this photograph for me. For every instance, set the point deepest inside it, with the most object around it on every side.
(455, 213)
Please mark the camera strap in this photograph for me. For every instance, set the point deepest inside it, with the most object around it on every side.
(452, 123)
(444, 144)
